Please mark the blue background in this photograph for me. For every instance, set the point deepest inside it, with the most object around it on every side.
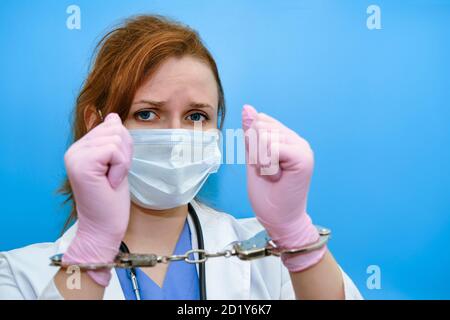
(374, 104)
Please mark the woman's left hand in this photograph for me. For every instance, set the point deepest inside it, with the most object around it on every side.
(279, 169)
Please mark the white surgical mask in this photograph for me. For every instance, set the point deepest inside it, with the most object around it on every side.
(169, 166)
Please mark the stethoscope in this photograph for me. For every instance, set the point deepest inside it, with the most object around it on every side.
(201, 246)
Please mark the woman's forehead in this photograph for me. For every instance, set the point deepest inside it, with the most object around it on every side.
(185, 79)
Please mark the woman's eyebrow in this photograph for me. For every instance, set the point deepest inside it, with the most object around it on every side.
(151, 102)
(159, 104)
(200, 105)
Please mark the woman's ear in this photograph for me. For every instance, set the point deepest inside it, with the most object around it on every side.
(91, 117)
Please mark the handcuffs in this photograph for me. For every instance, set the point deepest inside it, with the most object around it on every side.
(258, 246)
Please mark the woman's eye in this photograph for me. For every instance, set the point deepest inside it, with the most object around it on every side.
(197, 117)
(145, 115)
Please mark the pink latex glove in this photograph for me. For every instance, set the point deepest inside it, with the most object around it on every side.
(279, 199)
(97, 166)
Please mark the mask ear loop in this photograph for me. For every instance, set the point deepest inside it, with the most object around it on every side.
(101, 115)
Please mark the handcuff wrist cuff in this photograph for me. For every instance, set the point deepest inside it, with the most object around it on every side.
(258, 246)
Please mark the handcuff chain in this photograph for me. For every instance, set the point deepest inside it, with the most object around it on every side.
(258, 246)
(206, 255)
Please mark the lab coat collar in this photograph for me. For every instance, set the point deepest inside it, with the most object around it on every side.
(226, 278)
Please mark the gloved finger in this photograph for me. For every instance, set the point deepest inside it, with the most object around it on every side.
(261, 151)
(120, 140)
(104, 140)
(103, 129)
(110, 125)
(258, 142)
(111, 155)
(268, 164)
(128, 143)
(273, 171)
(263, 124)
(266, 155)
(268, 141)
(127, 149)
(126, 146)
(102, 135)
(112, 118)
(115, 122)
(274, 148)
(266, 118)
(290, 136)
(252, 143)
(293, 158)
(274, 132)
(248, 115)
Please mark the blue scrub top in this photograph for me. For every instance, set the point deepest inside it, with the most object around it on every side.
(181, 279)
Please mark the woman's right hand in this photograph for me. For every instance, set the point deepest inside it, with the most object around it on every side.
(97, 167)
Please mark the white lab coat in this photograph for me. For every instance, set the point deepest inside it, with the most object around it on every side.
(25, 273)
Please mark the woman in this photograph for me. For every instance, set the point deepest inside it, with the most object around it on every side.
(153, 79)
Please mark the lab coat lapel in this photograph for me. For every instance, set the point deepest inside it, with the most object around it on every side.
(226, 278)
(114, 291)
